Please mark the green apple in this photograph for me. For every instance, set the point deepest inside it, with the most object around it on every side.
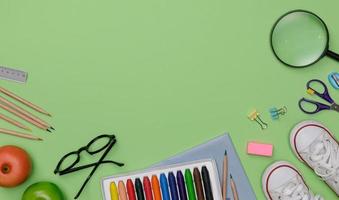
(43, 191)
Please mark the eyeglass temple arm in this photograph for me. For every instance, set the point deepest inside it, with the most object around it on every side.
(90, 165)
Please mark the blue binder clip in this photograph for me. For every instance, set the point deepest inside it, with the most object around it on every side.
(275, 113)
(333, 78)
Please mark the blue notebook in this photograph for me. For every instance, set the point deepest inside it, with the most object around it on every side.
(214, 149)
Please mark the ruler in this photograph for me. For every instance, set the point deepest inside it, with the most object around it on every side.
(13, 74)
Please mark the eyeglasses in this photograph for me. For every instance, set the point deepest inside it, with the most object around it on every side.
(68, 162)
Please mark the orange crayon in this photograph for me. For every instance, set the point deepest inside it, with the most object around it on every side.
(156, 188)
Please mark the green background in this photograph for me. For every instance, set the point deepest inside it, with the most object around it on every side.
(163, 75)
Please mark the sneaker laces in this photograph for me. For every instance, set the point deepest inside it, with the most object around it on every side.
(323, 154)
(295, 190)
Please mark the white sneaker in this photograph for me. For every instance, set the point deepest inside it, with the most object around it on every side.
(314, 145)
(282, 181)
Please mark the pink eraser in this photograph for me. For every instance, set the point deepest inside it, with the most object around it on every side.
(259, 149)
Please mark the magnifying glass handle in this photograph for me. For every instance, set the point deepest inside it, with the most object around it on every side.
(333, 55)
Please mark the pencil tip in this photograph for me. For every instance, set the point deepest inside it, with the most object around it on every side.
(49, 114)
(52, 128)
(231, 176)
(49, 130)
(225, 152)
(40, 139)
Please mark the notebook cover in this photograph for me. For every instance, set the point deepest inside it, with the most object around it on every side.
(214, 149)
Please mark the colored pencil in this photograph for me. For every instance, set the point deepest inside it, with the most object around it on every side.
(225, 175)
(114, 191)
(234, 189)
(181, 185)
(173, 186)
(24, 112)
(147, 188)
(23, 101)
(207, 183)
(18, 134)
(139, 189)
(164, 187)
(130, 190)
(198, 184)
(156, 188)
(122, 191)
(14, 122)
(189, 185)
(24, 117)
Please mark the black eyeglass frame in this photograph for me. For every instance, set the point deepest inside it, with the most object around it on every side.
(71, 168)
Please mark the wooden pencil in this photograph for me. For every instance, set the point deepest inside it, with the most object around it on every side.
(27, 103)
(5, 107)
(14, 122)
(225, 174)
(18, 134)
(24, 112)
(234, 189)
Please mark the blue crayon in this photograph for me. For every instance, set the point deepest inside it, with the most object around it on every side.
(173, 186)
(164, 187)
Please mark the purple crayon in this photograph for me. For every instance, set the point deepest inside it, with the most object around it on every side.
(181, 186)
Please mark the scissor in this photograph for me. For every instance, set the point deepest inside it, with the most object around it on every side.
(318, 106)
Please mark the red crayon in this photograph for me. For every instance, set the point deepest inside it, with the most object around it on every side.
(147, 188)
(130, 190)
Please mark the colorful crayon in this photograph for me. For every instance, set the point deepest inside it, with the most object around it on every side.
(189, 185)
(173, 186)
(156, 188)
(164, 187)
(181, 186)
(207, 183)
(130, 190)
(147, 188)
(114, 191)
(198, 184)
(122, 191)
(139, 189)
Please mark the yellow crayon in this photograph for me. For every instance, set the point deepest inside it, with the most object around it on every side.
(114, 192)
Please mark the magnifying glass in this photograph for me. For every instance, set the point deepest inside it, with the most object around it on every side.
(300, 38)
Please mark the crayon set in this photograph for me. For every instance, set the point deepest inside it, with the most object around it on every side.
(186, 181)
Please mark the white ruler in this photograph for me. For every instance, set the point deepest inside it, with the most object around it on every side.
(13, 74)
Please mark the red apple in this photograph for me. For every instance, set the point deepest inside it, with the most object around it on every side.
(15, 166)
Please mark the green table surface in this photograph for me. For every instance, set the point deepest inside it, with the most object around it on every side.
(163, 75)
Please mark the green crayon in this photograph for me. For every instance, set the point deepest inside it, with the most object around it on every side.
(189, 185)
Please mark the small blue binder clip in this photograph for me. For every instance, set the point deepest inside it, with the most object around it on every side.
(333, 78)
(275, 113)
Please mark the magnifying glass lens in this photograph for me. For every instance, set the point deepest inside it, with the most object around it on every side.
(299, 39)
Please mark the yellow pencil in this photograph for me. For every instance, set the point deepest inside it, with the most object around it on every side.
(14, 122)
(27, 103)
(18, 134)
(234, 189)
(114, 191)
